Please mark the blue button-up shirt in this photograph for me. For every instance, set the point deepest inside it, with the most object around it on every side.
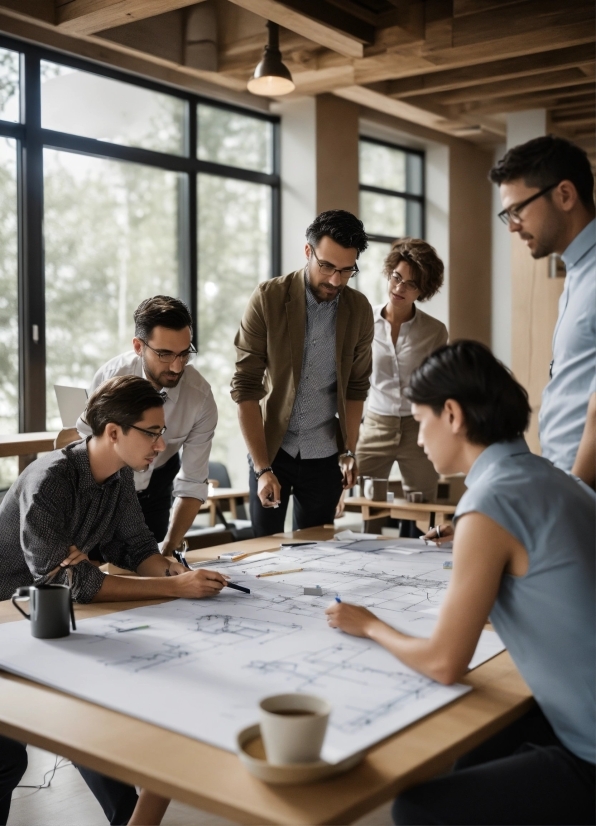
(312, 430)
(546, 617)
(573, 374)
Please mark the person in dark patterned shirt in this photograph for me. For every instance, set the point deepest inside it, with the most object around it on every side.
(76, 508)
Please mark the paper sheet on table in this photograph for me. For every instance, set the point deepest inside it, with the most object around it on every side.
(220, 656)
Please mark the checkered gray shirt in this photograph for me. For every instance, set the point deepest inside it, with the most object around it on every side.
(312, 430)
(56, 503)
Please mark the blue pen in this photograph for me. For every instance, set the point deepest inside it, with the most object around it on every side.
(337, 598)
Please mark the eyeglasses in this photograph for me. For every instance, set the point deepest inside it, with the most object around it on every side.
(511, 214)
(151, 433)
(329, 269)
(168, 357)
(409, 285)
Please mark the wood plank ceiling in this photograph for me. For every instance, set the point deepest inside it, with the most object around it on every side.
(456, 66)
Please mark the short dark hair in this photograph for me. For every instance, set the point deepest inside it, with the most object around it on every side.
(494, 404)
(427, 267)
(121, 400)
(160, 311)
(341, 226)
(545, 161)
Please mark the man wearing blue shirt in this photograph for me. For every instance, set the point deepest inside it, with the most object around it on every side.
(547, 191)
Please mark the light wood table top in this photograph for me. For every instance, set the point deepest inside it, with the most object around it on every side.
(214, 780)
(24, 444)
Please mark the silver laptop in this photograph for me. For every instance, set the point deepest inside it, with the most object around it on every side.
(71, 403)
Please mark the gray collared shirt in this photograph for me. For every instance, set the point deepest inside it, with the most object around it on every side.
(546, 617)
(56, 503)
(312, 430)
(565, 398)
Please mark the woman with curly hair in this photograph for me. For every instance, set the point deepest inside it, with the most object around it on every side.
(404, 335)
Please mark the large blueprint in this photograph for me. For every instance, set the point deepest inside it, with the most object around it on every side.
(201, 666)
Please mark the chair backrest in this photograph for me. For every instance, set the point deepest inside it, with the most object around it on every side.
(218, 471)
(65, 437)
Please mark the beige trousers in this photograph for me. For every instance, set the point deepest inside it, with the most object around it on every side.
(387, 439)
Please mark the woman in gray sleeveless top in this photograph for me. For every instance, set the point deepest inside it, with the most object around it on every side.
(524, 553)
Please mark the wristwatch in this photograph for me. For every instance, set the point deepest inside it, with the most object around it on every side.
(259, 473)
(349, 454)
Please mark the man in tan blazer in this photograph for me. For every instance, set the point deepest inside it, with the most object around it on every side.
(302, 374)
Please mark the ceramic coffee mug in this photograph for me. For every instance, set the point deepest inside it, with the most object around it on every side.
(51, 610)
(293, 727)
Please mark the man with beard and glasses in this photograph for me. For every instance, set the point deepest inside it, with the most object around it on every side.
(547, 191)
(162, 348)
(304, 358)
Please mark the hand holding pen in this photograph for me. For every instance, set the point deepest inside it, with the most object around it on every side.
(439, 534)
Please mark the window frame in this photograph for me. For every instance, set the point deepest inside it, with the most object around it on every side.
(32, 139)
(395, 193)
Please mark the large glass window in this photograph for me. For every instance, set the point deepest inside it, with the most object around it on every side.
(9, 85)
(130, 189)
(391, 206)
(9, 331)
(111, 240)
(234, 240)
(87, 104)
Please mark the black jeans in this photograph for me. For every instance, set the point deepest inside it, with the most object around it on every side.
(117, 799)
(13, 764)
(156, 499)
(523, 775)
(316, 485)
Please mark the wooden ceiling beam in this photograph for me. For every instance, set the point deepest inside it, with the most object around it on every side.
(558, 98)
(476, 75)
(83, 17)
(519, 86)
(331, 37)
(437, 120)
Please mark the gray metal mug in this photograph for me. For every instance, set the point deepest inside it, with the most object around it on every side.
(51, 610)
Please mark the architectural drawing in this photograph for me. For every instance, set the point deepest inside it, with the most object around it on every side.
(218, 657)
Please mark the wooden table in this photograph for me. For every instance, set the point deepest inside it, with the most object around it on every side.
(26, 446)
(217, 496)
(214, 780)
(429, 512)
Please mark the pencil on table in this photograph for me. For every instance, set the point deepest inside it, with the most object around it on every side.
(278, 573)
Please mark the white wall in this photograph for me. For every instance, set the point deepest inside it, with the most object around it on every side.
(298, 177)
(521, 127)
(437, 201)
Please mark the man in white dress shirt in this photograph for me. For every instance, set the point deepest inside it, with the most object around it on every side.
(162, 348)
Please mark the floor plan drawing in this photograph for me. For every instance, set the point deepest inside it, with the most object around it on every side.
(218, 657)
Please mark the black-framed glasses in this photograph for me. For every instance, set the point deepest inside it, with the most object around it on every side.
(329, 269)
(168, 357)
(511, 214)
(409, 285)
(151, 433)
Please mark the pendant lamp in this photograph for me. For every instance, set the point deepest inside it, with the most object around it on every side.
(271, 78)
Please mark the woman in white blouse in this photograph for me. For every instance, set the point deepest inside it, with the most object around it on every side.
(404, 336)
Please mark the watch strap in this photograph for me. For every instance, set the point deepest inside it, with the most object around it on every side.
(259, 473)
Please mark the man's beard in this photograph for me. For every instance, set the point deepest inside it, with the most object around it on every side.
(161, 379)
(315, 290)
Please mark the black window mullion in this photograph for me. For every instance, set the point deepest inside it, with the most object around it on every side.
(192, 241)
(32, 327)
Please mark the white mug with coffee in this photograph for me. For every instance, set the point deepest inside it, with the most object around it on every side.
(293, 727)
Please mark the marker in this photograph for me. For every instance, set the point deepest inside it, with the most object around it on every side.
(181, 559)
(136, 628)
(295, 544)
(279, 573)
(337, 598)
(238, 587)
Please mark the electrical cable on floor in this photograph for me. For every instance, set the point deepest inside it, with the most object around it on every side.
(57, 765)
